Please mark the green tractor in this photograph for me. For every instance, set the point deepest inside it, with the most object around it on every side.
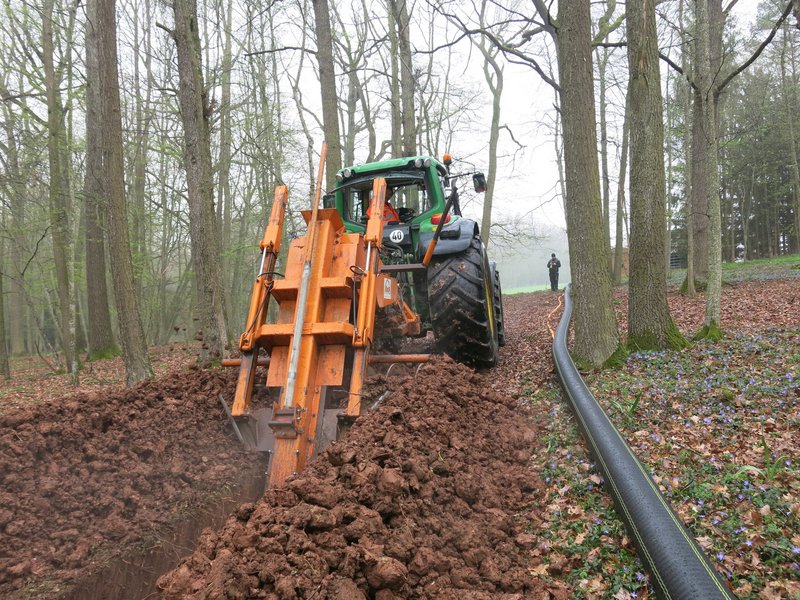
(456, 288)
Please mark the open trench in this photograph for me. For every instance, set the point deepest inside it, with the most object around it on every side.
(133, 575)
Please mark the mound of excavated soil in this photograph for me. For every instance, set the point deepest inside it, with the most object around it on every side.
(429, 496)
(82, 478)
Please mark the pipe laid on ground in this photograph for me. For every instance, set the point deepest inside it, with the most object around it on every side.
(678, 567)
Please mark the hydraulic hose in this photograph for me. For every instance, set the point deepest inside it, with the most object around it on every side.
(677, 565)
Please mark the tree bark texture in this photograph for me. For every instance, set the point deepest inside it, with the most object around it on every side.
(100, 334)
(330, 98)
(791, 113)
(649, 323)
(407, 83)
(623, 172)
(59, 196)
(707, 56)
(493, 74)
(131, 332)
(602, 58)
(206, 256)
(5, 367)
(706, 67)
(394, 86)
(596, 336)
(18, 315)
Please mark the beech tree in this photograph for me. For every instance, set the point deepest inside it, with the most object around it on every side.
(206, 248)
(131, 333)
(59, 194)
(100, 335)
(327, 81)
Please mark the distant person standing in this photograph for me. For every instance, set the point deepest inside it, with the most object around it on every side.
(553, 265)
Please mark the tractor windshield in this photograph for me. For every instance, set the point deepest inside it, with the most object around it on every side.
(407, 193)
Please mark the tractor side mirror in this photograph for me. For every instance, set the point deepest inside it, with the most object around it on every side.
(479, 182)
(329, 201)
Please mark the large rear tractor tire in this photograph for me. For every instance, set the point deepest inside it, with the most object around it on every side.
(498, 305)
(461, 298)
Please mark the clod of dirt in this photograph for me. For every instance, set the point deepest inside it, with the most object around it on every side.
(417, 501)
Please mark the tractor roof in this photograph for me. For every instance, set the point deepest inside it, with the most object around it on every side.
(392, 164)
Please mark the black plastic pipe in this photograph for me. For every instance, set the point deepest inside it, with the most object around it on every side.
(677, 565)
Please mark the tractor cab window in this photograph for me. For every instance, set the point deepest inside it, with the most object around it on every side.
(409, 197)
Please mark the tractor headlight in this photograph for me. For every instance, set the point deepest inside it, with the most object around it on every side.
(418, 163)
(347, 173)
(339, 177)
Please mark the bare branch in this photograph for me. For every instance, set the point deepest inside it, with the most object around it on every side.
(281, 49)
(170, 32)
(760, 49)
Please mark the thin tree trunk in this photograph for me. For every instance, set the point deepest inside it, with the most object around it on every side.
(791, 112)
(688, 144)
(394, 86)
(706, 142)
(604, 177)
(5, 367)
(330, 100)
(59, 197)
(407, 83)
(493, 74)
(17, 305)
(225, 203)
(623, 172)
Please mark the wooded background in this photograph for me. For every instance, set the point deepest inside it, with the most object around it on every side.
(141, 142)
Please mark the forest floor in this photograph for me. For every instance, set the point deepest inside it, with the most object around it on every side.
(460, 484)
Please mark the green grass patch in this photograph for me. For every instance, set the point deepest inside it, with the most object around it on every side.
(526, 289)
(780, 267)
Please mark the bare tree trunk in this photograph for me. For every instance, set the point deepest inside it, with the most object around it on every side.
(706, 65)
(604, 177)
(407, 83)
(706, 142)
(17, 305)
(225, 202)
(649, 323)
(59, 197)
(197, 160)
(688, 144)
(791, 112)
(143, 53)
(596, 336)
(493, 74)
(101, 337)
(5, 367)
(394, 86)
(623, 172)
(131, 333)
(698, 217)
(330, 100)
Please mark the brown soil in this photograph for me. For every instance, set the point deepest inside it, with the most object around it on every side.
(429, 496)
(84, 478)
